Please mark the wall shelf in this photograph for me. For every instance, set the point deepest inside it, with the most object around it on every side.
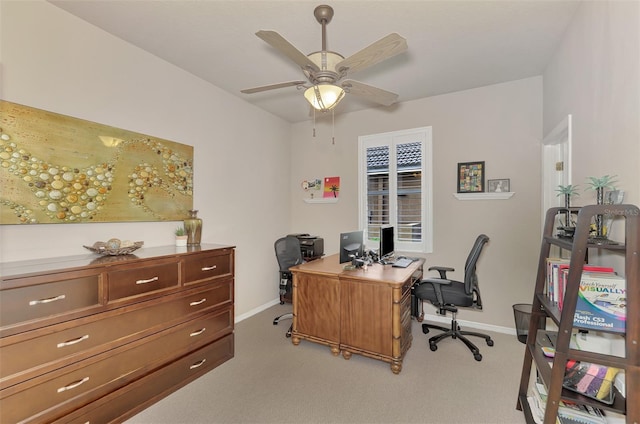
(322, 200)
(484, 196)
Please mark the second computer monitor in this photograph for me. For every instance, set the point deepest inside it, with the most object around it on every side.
(386, 242)
(351, 244)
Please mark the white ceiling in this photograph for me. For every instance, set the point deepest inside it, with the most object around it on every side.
(453, 45)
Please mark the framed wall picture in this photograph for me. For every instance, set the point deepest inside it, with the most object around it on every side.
(471, 177)
(69, 170)
(499, 186)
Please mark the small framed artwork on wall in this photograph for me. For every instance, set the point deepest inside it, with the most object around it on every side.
(471, 177)
(499, 186)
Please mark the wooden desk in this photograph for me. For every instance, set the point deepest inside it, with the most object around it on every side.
(364, 312)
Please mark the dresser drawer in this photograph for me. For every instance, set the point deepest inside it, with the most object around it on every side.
(143, 279)
(38, 351)
(208, 265)
(47, 298)
(47, 396)
(128, 401)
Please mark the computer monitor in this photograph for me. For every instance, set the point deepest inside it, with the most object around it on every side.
(386, 242)
(351, 244)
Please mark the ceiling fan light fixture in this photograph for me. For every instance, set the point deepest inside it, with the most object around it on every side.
(324, 97)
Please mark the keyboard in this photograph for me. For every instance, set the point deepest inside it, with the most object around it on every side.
(402, 262)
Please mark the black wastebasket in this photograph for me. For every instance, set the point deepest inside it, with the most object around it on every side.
(522, 315)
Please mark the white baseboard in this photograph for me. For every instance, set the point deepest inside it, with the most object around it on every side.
(256, 310)
(427, 317)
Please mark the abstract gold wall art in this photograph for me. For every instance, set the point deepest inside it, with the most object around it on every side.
(59, 169)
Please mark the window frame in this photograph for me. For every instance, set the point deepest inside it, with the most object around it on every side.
(392, 139)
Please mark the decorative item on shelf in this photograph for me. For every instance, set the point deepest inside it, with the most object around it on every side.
(568, 228)
(612, 197)
(499, 186)
(331, 187)
(115, 247)
(471, 177)
(181, 236)
(193, 226)
(599, 185)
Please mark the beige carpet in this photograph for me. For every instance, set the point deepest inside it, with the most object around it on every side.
(272, 381)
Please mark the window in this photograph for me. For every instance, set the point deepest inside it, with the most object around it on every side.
(395, 187)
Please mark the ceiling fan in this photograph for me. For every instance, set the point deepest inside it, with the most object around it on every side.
(326, 71)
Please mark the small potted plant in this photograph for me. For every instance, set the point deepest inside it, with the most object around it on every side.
(599, 185)
(181, 236)
(567, 191)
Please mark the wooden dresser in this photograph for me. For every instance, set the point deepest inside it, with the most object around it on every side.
(367, 312)
(88, 339)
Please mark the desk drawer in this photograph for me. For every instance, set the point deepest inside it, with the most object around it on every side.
(39, 350)
(127, 401)
(36, 301)
(208, 265)
(45, 397)
(405, 322)
(142, 280)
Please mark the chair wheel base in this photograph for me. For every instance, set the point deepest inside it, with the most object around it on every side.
(477, 357)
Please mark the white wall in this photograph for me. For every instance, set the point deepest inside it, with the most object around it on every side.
(56, 62)
(595, 77)
(500, 124)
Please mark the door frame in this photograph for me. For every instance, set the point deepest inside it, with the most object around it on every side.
(556, 149)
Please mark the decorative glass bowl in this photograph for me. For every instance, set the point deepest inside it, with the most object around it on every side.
(112, 248)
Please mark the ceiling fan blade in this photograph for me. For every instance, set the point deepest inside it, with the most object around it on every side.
(369, 92)
(272, 87)
(382, 49)
(288, 49)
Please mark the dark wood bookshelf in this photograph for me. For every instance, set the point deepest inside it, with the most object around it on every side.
(551, 370)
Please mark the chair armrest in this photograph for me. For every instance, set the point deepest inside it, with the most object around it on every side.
(442, 270)
(437, 288)
(436, 281)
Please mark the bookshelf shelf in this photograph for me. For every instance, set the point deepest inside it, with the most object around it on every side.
(552, 371)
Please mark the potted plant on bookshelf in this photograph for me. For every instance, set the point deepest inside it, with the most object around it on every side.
(181, 236)
(567, 191)
(599, 185)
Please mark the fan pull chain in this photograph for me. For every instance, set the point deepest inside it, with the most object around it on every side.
(314, 122)
(333, 127)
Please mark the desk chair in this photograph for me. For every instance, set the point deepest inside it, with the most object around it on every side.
(288, 254)
(447, 295)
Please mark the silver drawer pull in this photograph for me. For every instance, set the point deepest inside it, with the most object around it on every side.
(198, 332)
(209, 268)
(198, 302)
(47, 300)
(150, 280)
(74, 341)
(73, 385)
(197, 364)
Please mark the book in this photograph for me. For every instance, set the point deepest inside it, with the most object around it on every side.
(568, 412)
(602, 302)
(563, 274)
(552, 278)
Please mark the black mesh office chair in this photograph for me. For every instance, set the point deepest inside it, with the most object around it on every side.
(288, 254)
(447, 295)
